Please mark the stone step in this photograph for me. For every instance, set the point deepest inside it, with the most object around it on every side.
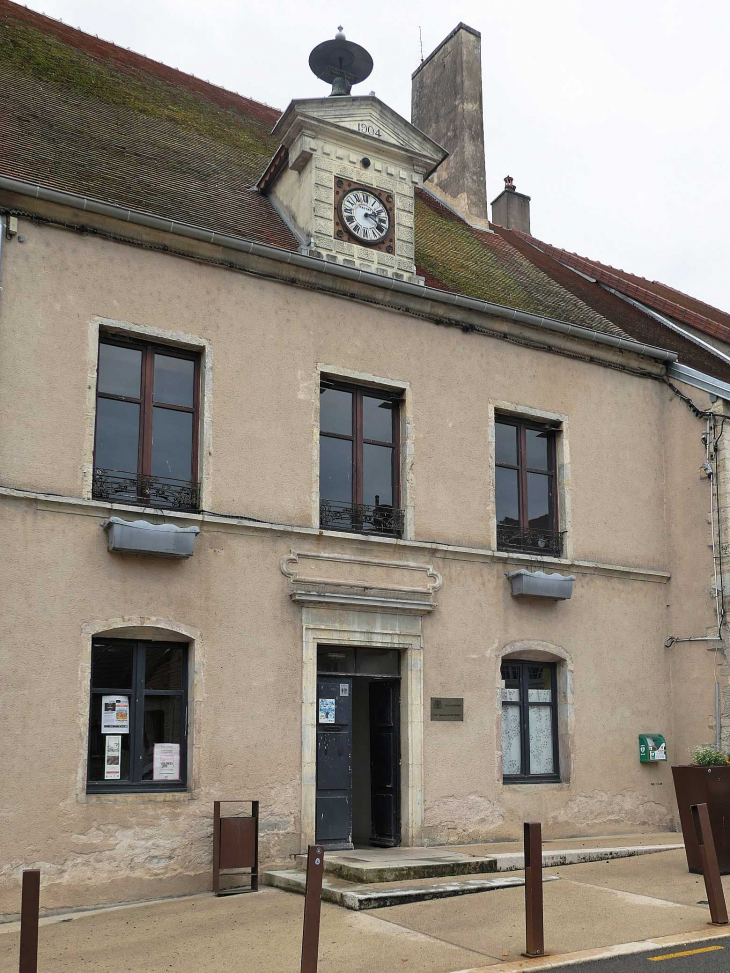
(352, 868)
(509, 862)
(371, 866)
(381, 895)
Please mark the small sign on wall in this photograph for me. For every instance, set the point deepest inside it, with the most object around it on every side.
(450, 708)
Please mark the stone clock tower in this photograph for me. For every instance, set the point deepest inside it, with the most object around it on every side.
(346, 172)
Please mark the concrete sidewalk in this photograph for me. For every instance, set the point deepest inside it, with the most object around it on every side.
(591, 905)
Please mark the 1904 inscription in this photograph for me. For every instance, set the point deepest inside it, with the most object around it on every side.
(447, 708)
(367, 129)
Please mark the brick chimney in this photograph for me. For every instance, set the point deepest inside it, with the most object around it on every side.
(511, 209)
(446, 104)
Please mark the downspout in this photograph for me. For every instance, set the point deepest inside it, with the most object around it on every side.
(713, 481)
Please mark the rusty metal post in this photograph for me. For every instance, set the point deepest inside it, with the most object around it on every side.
(534, 933)
(255, 869)
(710, 867)
(216, 847)
(29, 905)
(312, 909)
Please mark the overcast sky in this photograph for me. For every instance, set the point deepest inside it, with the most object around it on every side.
(611, 114)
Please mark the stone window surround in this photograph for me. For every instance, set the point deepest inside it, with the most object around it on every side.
(178, 339)
(149, 629)
(562, 462)
(539, 651)
(363, 629)
(365, 379)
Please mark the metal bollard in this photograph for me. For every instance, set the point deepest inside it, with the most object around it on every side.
(710, 867)
(534, 933)
(312, 909)
(29, 905)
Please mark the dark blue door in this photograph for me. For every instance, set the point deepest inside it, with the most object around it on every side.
(334, 761)
(385, 762)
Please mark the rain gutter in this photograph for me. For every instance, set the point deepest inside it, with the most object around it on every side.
(279, 254)
(668, 323)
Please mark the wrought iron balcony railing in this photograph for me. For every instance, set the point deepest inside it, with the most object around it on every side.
(152, 491)
(530, 540)
(361, 518)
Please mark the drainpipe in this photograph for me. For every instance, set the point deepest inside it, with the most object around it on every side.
(719, 610)
(718, 717)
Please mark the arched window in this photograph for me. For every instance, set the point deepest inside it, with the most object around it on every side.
(529, 721)
(137, 716)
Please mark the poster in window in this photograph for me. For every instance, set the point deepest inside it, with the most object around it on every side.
(166, 761)
(326, 711)
(112, 757)
(115, 714)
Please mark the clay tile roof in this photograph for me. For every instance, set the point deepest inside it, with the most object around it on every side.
(82, 115)
(659, 297)
(454, 256)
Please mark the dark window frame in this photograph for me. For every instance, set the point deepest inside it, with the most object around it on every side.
(522, 469)
(352, 665)
(137, 694)
(525, 777)
(358, 439)
(147, 403)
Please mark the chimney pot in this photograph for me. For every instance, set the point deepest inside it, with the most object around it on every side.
(511, 209)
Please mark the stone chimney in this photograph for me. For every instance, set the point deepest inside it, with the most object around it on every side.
(511, 209)
(446, 104)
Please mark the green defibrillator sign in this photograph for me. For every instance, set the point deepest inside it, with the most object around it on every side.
(652, 747)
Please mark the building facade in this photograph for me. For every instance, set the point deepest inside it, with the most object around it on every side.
(270, 490)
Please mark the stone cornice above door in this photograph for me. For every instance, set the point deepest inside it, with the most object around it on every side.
(372, 584)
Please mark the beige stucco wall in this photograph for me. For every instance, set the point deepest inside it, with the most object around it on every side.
(631, 443)
(266, 342)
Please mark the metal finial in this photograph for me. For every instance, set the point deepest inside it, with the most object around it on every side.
(340, 63)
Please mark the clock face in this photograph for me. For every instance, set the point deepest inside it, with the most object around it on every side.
(364, 216)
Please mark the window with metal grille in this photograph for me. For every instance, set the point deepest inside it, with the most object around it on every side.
(147, 405)
(137, 716)
(525, 484)
(359, 460)
(529, 722)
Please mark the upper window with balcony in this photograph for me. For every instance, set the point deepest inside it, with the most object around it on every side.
(146, 446)
(526, 494)
(359, 460)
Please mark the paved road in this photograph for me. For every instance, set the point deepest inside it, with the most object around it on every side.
(708, 956)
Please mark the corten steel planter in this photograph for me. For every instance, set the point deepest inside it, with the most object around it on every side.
(710, 786)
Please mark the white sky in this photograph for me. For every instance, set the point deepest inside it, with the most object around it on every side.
(611, 114)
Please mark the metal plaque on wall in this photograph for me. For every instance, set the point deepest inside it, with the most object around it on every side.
(447, 708)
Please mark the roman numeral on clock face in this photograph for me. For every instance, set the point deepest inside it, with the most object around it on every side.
(364, 216)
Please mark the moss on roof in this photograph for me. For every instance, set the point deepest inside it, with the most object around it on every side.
(34, 54)
(455, 256)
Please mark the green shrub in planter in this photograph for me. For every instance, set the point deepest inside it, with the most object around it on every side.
(709, 756)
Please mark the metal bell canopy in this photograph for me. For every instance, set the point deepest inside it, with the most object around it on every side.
(340, 63)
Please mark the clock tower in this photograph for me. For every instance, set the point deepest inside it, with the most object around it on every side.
(346, 172)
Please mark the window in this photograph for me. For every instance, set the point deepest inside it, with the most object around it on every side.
(137, 716)
(526, 496)
(146, 425)
(529, 722)
(359, 458)
(359, 662)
